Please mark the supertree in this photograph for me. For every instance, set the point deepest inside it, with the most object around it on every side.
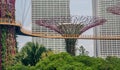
(70, 26)
(7, 33)
(114, 9)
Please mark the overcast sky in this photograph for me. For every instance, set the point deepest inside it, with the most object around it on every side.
(77, 7)
(83, 7)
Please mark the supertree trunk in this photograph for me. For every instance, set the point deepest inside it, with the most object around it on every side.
(0, 50)
(7, 45)
(70, 46)
(7, 33)
(71, 27)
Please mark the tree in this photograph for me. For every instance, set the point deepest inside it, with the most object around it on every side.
(7, 33)
(83, 51)
(114, 61)
(46, 54)
(70, 27)
(62, 61)
(31, 53)
(115, 9)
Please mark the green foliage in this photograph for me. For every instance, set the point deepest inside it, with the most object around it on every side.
(31, 53)
(46, 54)
(114, 62)
(62, 61)
(20, 67)
(65, 61)
(94, 63)
(70, 46)
(3, 42)
(82, 51)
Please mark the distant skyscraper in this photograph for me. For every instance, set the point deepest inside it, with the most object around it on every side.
(104, 48)
(49, 9)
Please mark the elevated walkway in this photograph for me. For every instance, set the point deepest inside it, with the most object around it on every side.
(21, 31)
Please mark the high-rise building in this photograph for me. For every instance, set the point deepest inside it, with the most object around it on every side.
(104, 48)
(49, 9)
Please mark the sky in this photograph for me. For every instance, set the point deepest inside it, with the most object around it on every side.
(77, 7)
(83, 8)
(20, 6)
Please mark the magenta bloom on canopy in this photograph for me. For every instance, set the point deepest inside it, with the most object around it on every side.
(7, 9)
(71, 25)
(114, 10)
(75, 25)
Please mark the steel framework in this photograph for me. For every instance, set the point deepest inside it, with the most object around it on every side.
(114, 10)
(70, 27)
(70, 30)
(7, 33)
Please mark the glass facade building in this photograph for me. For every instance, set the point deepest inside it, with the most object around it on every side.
(49, 9)
(104, 48)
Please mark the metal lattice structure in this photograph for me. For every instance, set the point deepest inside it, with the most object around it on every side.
(70, 30)
(114, 9)
(7, 9)
(73, 27)
(7, 33)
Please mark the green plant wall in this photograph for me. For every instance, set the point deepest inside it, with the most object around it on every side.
(7, 45)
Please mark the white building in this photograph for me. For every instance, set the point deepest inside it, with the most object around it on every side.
(49, 9)
(104, 48)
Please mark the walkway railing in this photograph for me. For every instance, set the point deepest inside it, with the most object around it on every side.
(6, 21)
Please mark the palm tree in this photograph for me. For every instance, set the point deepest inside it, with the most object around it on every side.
(31, 53)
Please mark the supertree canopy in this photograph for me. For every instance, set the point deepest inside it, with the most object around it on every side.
(7, 33)
(114, 9)
(7, 9)
(70, 26)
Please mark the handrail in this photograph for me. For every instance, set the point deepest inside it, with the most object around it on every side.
(64, 36)
(7, 20)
